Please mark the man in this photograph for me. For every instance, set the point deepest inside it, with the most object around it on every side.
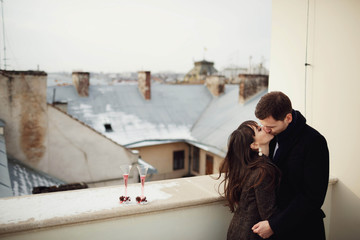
(302, 155)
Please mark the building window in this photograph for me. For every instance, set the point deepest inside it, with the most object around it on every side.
(209, 164)
(196, 159)
(179, 160)
(108, 127)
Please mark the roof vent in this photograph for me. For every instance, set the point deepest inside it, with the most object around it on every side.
(108, 127)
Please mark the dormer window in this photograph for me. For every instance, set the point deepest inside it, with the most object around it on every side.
(108, 127)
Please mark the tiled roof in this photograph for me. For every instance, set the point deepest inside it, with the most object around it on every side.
(5, 184)
(24, 178)
(17, 179)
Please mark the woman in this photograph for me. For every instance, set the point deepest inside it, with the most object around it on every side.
(249, 179)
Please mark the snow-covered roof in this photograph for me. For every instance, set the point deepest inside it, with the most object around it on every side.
(24, 178)
(17, 179)
(171, 112)
(223, 116)
(185, 112)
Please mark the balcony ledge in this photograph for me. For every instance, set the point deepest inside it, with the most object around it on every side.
(56, 210)
(34, 212)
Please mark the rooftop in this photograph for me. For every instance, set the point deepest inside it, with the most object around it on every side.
(30, 72)
(5, 183)
(175, 112)
(24, 178)
(17, 179)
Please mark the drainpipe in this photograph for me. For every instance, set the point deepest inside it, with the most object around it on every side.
(189, 172)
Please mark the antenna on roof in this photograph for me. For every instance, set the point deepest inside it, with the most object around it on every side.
(250, 66)
(2, 15)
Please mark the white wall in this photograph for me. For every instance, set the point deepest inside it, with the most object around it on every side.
(327, 91)
(287, 56)
(77, 153)
(207, 222)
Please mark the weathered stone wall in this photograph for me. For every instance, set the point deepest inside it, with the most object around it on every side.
(251, 84)
(49, 140)
(23, 108)
(81, 81)
(215, 84)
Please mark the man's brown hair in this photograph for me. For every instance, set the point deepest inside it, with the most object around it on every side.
(275, 104)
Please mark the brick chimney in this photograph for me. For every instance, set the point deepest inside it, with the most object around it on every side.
(144, 84)
(215, 84)
(250, 85)
(81, 82)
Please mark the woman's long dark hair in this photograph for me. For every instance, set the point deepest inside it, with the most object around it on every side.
(240, 160)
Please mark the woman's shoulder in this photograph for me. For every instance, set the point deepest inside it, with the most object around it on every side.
(264, 163)
(265, 169)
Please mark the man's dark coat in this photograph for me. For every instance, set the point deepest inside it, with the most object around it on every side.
(303, 159)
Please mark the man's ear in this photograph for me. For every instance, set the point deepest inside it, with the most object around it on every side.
(288, 118)
(254, 146)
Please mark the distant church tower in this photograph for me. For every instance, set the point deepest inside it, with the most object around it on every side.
(198, 74)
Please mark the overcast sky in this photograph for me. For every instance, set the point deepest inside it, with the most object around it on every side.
(134, 35)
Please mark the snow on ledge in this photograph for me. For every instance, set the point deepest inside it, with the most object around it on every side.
(32, 212)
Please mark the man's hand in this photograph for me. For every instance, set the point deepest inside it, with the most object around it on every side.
(263, 229)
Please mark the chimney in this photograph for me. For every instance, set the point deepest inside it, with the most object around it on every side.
(81, 82)
(215, 84)
(24, 110)
(250, 85)
(144, 84)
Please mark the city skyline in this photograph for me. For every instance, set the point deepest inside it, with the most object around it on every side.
(125, 36)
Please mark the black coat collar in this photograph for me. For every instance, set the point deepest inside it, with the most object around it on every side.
(288, 137)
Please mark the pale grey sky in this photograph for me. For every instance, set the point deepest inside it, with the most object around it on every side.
(133, 35)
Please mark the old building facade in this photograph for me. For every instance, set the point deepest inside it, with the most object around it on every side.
(46, 138)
